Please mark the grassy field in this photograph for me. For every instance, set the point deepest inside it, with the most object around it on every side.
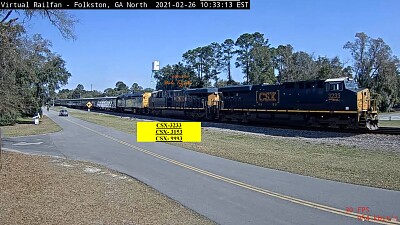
(45, 190)
(26, 127)
(339, 163)
(387, 123)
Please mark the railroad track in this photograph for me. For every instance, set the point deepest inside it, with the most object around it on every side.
(386, 130)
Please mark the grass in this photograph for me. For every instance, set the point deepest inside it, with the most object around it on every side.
(387, 123)
(339, 163)
(25, 126)
(102, 119)
(333, 162)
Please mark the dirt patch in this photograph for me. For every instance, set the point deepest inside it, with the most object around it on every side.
(46, 190)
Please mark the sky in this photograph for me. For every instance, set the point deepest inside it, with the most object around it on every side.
(120, 45)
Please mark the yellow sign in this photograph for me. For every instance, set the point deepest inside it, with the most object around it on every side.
(168, 131)
(89, 104)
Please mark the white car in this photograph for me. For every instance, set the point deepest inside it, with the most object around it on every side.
(63, 112)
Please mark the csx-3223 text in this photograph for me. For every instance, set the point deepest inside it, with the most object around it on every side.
(169, 5)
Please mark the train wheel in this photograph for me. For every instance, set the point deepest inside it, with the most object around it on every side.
(371, 125)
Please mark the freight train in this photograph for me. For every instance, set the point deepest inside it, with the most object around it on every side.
(336, 103)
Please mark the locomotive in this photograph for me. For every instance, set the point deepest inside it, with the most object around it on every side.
(335, 103)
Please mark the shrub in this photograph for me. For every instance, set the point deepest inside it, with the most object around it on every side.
(8, 118)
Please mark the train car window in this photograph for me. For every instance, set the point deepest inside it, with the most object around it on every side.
(341, 87)
(308, 85)
(302, 85)
(320, 84)
(336, 87)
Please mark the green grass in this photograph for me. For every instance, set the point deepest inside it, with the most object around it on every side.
(387, 123)
(25, 126)
(340, 163)
(24, 120)
(333, 162)
(103, 119)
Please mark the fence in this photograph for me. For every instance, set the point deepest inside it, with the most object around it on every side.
(389, 118)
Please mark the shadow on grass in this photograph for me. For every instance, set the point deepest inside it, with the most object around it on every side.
(25, 121)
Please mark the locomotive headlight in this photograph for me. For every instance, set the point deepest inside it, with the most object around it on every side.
(347, 108)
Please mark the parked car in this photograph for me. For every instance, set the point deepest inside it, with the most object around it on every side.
(63, 112)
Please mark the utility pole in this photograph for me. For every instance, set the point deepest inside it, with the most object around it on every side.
(155, 67)
(91, 89)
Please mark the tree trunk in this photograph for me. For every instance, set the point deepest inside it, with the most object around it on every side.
(229, 72)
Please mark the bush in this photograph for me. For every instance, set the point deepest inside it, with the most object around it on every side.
(8, 118)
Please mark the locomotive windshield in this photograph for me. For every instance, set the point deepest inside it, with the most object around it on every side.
(351, 84)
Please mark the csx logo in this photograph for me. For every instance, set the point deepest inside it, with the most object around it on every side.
(266, 97)
(180, 98)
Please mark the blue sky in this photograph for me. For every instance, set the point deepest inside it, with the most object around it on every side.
(115, 45)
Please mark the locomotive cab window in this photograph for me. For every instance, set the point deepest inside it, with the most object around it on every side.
(336, 87)
(289, 85)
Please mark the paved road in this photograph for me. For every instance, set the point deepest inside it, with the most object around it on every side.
(225, 191)
(389, 116)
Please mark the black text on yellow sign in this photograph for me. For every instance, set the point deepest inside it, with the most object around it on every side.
(168, 131)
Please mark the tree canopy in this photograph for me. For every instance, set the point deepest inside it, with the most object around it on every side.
(374, 66)
(30, 72)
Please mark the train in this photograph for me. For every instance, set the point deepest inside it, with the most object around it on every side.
(331, 103)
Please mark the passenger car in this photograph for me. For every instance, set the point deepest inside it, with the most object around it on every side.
(63, 112)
